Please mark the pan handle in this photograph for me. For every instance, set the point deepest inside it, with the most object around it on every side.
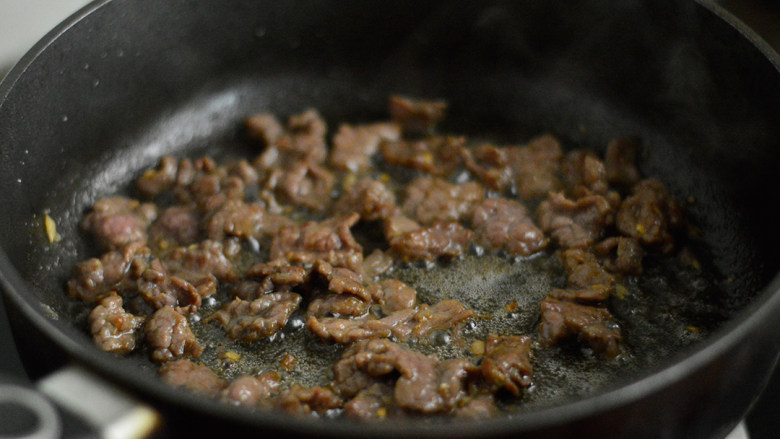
(70, 392)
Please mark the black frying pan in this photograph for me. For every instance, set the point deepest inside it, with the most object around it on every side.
(125, 81)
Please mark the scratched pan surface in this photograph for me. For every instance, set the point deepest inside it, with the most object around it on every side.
(124, 82)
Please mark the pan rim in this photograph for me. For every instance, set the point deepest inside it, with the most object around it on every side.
(688, 362)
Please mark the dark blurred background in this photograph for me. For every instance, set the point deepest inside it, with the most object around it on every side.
(23, 22)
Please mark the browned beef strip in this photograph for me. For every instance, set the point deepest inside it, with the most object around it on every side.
(302, 142)
(429, 200)
(369, 198)
(235, 218)
(193, 377)
(264, 128)
(490, 165)
(113, 329)
(353, 145)
(299, 400)
(621, 255)
(594, 326)
(158, 288)
(209, 190)
(500, 223)
(620, 162)
(433, 155)
(329, 240)
(118, 221)
(264, 278)
(575, 224)
(442, 239)
(175, 226)
(584, 174)
(417, 116)
(478, 407)
(584, 270)
(376, 264)
(260, 318)
(155, 181)
(252, 391)
(206, 257)
(116, 270)
(535, 166)
(650, 214)
(507, 362)
(306, 184)
(393, 295)
(169, 336)
(402, 324)
(338, 280)
(337, 305)
(589, 294)
(370, 403)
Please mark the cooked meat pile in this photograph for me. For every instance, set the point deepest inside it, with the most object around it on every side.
(270, 245)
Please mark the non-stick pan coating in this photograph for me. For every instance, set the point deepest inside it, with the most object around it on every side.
(109, 92)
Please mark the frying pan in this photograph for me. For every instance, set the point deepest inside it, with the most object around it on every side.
(122, 82)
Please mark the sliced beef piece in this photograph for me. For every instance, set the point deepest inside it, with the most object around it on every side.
(264, 128)
(169, 336)
(575, 224)
(650, 214)
(591, 325)
(208, 191)
(369, 198)
(299, 400)
(306, 184)
(442, 239)
(620, 162)
(260, 318)
(589, 294)
(353, 145)
(429, 200)
(159, 288)
(168, 175)
(118, 221)
(274, 276)
(204, 258)
(337, 305)
(433, 155)
(621, 255)
(583, 269)
(507, 362)
(584, 174)
(477, 407)
(113, 329)
(338, 280)
(175, 226)
(535, 167)
(500, 223)
(330, 240)
(193, 377)
(116, 270)
(393, 295)
(236, 218)
(417, 116)
(252, 391)
(376, 264)
(246, 172)
(302, 142)
(371, 403)
(402, 324)
(490, 165)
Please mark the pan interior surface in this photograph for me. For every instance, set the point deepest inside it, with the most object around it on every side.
(182, 82)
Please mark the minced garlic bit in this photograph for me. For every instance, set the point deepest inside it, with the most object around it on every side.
(381, 413)
(693, 329)
(231, 356)
(51, 229)
(478, 347)
(621, 291)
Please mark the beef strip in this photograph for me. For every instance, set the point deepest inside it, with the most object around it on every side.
(417, 116)
(306, 184)
(264, 128)
(299, 400)
(204, 258)
(490, 165)
(260, 318)
(118, 221)
(116, 270)
(594, 326)
(433, 155)
(507, 362)
(236, 218)
(329, 240)
(169, 336)
(175, 226)
(535, 166)
(336, 305)
(583, 174)
(429, 200)
(480, 406)
(369, 198)
(252, 391)
(575, 223)
(303, 141)
(441, 239)
(621, 255)
(158, 288)
(649, 215)
(263, 278)
(584, 270)
(338, 280)
(376, 264)
(589, 294)
(113, 329)
(370, 403)
(500, 223)
(193, 377)
(393, 295)
(620, 163)
(353, 145)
